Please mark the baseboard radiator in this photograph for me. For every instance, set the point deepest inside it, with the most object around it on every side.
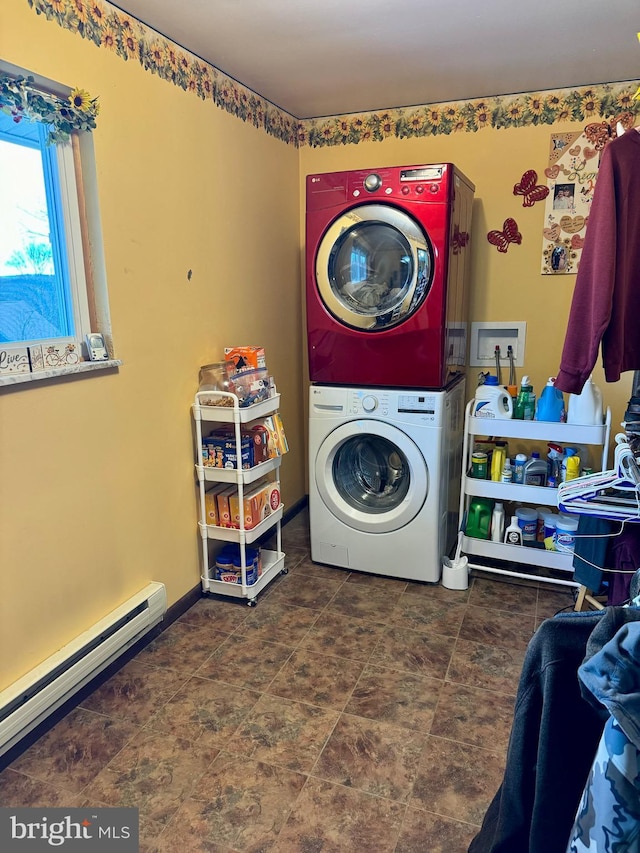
(28, 701)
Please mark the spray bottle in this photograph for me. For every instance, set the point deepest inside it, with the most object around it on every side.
(526, 402)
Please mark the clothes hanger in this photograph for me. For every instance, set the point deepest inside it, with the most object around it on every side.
(613, 494)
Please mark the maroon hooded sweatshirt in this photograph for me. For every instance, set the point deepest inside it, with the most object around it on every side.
(605, 308)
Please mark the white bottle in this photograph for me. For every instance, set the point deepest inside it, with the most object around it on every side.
(586, 407)
(513, 533)
(497, 523)
(518, 469)
(492, 400)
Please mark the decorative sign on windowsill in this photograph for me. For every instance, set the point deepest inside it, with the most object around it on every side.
(82, 368)
(36, 358)
(14, 360)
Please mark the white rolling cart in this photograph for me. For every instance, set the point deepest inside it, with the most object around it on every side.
(272, 561)
(540, 431)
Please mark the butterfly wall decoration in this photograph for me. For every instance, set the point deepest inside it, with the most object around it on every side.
(459, 240)
(599, 133)
(509, 234)
(529, 189)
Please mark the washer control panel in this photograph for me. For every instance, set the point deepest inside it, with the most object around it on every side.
(418, 404)
(366, 402)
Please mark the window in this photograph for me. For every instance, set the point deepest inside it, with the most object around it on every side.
(43, 297)
(52, 292)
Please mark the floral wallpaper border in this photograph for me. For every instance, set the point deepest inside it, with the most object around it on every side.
(108, 27)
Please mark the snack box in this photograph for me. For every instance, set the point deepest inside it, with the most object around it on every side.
(245, 358)
(219, 449)
(259, 440)
(211, 503)
(224, 508)
(283, 444)
(230, 455)
(277, 440)
(258, 504)
(268, 428)
(213, 447)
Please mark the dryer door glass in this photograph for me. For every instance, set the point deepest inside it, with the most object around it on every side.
(374, 267)
(371, 474)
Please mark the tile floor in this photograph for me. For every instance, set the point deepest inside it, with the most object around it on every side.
(346, 713)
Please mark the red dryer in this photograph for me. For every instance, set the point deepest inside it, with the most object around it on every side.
(386, 259)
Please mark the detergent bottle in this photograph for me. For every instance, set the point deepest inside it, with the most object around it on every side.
(492, 400)
(535, 471)
(498, 459)
(551, 403)
(479, 518)
(526, 401)
(586, 407)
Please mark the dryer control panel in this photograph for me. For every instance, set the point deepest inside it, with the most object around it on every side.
(410, 183)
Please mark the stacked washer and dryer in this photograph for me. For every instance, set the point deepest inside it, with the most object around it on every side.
(386, 265)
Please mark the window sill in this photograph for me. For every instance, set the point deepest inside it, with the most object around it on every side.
(58, 372)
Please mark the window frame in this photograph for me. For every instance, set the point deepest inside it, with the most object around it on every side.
(77, 205)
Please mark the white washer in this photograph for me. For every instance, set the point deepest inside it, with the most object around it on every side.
(384, 478)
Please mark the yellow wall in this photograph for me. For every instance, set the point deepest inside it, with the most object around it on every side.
(97, 479)
(504, 287)
(96, 474)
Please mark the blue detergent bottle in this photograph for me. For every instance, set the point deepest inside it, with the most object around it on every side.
(551, 403)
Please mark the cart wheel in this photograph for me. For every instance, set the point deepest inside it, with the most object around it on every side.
(284, 572)
(251, 602)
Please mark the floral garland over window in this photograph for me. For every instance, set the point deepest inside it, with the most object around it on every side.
(20, 99)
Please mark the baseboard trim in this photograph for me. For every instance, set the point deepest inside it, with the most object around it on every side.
(294, 510)
(174, 612)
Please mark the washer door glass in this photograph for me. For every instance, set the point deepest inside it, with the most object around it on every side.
(374, 267)
(371, 476)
